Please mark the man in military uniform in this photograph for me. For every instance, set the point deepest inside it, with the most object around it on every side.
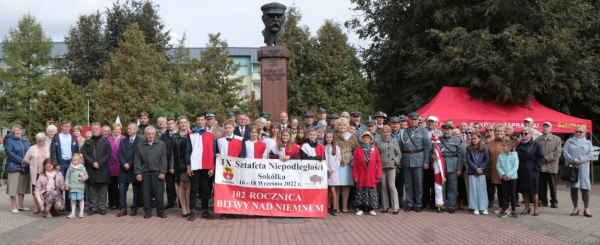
(380, 118)
(355, 117)
(230, 117)
(416, 154)
(211, 125)
(452, 155)
(321, 116)
(309, 120)
(332, 120)
(144, 121)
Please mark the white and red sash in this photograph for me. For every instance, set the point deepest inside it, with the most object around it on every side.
(229, 148)
(319, 150)
(440, 176)
(202, 156)
(256, 150)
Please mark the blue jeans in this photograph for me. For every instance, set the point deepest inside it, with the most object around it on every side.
(64, 166)
(123, 188)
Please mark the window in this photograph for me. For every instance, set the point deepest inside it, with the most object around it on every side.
(243, 91)
(243, 71)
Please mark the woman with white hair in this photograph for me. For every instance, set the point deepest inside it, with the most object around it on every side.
(578, 152)
(35, 157)
(261, 124)
(50, 132)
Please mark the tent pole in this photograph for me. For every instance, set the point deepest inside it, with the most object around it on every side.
(592, 162)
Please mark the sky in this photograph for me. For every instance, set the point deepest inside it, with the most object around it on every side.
(238, 21)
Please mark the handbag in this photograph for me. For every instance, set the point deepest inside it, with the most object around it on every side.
(571, 174)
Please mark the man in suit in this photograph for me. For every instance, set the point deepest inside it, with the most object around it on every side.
(167, 137)
(62, 148)
(243, 129)
(283, 119)
(416, 153)
(126, 155)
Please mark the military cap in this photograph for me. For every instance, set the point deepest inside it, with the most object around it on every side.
(210, 115)
(355, 113)
(413, 114)
(318, 126)
(273, 8)
(403, 118)
(143, 114)
(321, 110)
(265, 115)
(334, 116)
(371, 122)
(395, 119)
(230, 114)
(447, 126)
(433, 118)
(308, 115)
(380, 114)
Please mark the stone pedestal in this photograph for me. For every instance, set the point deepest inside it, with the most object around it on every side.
(273, 78)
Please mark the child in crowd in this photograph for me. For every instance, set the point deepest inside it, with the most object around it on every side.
(75, 184)
(255, 149)
(229, 145)
(311, 149)
(508, 164)
(301, 137)
(478, 158)
(285, 149)
(333, 156)
(366, 172)
(352, 128)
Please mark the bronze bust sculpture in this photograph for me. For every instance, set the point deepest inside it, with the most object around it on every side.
(273, 17)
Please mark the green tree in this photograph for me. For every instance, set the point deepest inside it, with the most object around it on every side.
(27, 52)
(301, 62)
(324, 70)
(62, 99)
(133, 81)
(508, 51)
(143, 12)
(213, 85)
(87, 50)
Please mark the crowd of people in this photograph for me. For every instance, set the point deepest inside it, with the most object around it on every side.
(370, 166)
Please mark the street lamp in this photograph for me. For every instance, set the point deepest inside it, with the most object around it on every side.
(88, 94)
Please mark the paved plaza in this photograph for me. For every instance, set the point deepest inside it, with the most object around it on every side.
(553, 226)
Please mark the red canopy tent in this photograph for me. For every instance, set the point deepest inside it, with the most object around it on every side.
(455, 103)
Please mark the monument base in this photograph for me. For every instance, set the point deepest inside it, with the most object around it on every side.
(273, 78)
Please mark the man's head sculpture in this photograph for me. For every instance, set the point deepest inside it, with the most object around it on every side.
(274, 18)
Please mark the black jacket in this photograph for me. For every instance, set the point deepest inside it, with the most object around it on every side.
(100, 153)
(177, 156)
(169, 144)
(126, 154)
(246, 135)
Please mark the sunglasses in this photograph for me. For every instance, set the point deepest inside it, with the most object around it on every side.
(579, 132)
(489, 130)
(525, 134)
(469, 132)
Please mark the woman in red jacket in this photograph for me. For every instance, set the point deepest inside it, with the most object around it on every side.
(366, 172)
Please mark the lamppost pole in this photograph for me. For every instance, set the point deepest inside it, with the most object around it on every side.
(88, 93)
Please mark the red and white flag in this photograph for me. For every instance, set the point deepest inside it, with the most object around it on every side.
(439, 171)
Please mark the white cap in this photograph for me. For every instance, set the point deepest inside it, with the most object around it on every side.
(528, 119)
(433, 118)
(547, 123)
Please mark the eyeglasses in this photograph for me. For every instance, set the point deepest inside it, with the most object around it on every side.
(579, 132)
(469, 132)
(489, 130)
(525, 134)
